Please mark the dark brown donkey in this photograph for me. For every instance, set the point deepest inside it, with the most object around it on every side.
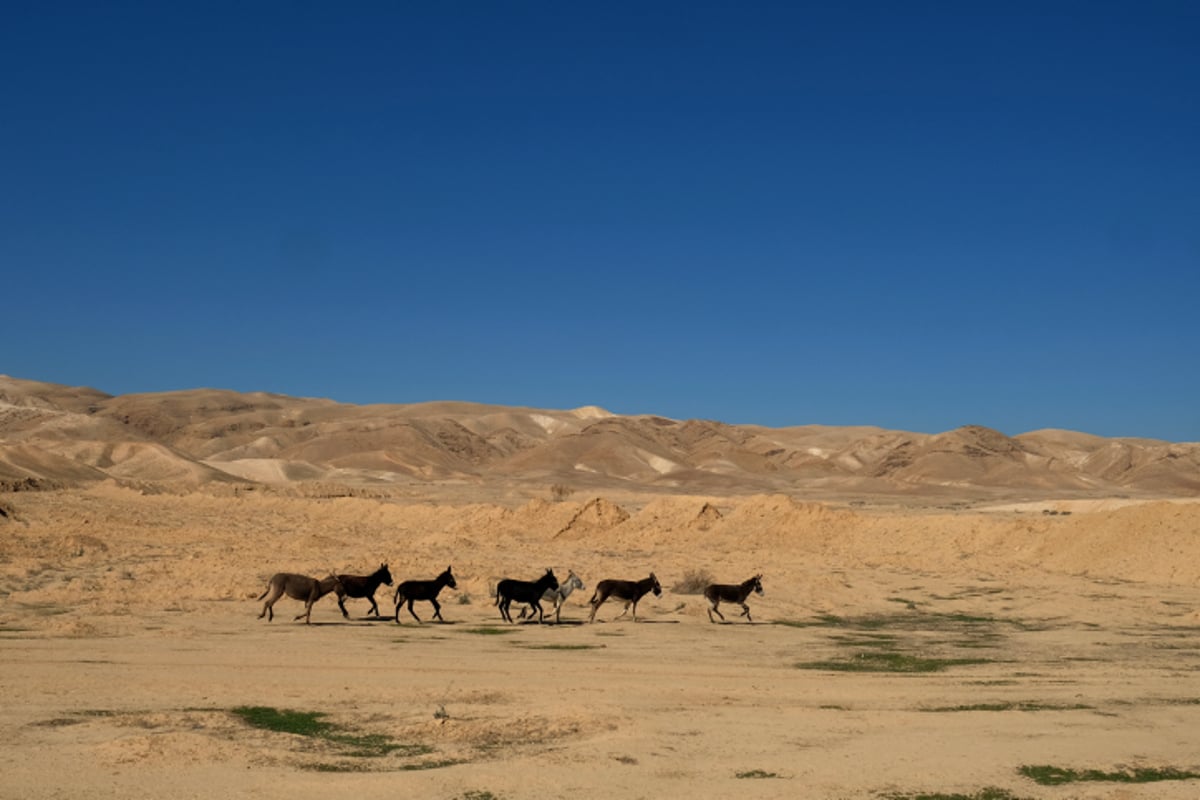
(730, 593)
(362, 586)
(297, 587)
(628, 591)
(408, 591)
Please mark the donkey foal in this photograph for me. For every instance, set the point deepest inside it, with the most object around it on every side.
(730, 593)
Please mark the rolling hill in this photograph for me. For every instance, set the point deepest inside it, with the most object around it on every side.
(52, 435)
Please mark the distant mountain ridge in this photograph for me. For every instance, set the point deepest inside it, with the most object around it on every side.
(52, 435)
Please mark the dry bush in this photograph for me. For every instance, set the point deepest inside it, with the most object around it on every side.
(560, 492)
(693, 582)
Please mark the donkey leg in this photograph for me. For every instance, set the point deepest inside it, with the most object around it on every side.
(410, 610)
(269, 606)
(374, 608)
(717, 611)
(308, 604)
(342, 606)
(537, 606)
(595, 607)
(437, 609)
(746, 613)
(503, 604)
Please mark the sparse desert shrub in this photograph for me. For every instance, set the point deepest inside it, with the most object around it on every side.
(560, 492)
(693, 582)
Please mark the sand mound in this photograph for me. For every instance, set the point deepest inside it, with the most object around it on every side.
(597, 515)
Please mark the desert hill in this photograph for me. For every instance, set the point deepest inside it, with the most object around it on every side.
(53, 435)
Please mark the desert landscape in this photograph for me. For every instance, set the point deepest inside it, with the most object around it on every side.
(962, 615)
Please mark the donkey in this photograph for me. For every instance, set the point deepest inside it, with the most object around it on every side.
(423, 590)
(362, 586)
(529, 592)
(731, 593)
(297, 587)
(558, 596)
(629, 591)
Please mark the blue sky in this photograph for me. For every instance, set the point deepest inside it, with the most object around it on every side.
(913, 215)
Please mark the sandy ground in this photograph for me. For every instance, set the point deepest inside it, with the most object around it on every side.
(130, 635)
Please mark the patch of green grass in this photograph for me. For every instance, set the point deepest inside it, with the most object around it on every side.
(420, 765)
(1019, 706)
(489, 630)
(922, 621)
(988, 793)
(324, 766)
(867, 639)
(301, 723)
(477, 794)
(559, 646)
(311, 724)
(890, 662)
(756, 773)
(1048, 775)
(374, 745)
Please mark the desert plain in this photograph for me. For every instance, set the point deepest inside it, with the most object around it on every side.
(974, 639)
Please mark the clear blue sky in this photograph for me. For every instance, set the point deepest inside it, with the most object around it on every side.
(907, 214)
